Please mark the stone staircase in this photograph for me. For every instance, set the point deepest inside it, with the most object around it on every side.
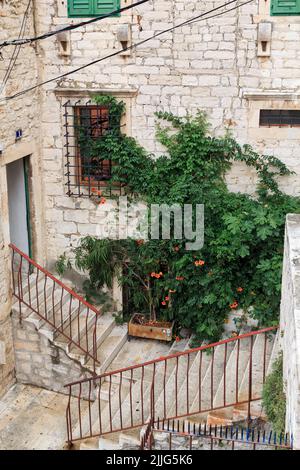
(115, 352)
(38, 342)
(130, 439)
(64, 344)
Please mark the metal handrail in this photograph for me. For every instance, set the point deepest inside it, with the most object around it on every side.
(42, 302)
(53, 278)
(138, 388)
(179, 354)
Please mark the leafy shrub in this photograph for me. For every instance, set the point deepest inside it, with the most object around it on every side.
(274, 400)
(241, 261)
(62, 264)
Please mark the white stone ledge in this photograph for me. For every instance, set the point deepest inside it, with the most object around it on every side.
(77, 92)
(264, 95)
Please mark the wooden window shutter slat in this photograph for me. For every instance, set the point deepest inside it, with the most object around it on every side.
(285, 7)
(80, 7)
(102, 7)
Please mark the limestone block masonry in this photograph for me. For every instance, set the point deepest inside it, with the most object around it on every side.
(290, 325)
(210, 65)
(17, 114)
(40, 362)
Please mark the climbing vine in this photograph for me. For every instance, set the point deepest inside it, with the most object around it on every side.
(239, 266)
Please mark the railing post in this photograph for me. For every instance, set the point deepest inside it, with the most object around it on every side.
(20, 289)
(250, 379)
(95, 343)
(152, 398)
(69, 420)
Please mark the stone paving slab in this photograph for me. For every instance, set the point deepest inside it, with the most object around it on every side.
(32, 418)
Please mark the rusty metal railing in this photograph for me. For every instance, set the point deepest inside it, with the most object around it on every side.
(174, 435)
(212, 377)
(73, 320)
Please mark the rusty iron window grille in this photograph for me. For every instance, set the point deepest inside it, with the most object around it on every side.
(87, 174)
(279, 118)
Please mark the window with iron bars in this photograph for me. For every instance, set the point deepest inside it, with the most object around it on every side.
(279, 118)
(88, 174)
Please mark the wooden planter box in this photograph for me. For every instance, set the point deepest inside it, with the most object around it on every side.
(163, 333)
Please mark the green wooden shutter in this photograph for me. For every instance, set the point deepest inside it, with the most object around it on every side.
(285, 7)
(80, 8)
(102, 7)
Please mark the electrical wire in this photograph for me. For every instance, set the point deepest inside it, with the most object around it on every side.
(22, 41)
(16, 51)
(200, 17)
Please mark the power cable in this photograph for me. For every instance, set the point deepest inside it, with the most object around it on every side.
(22, 41)
(200, 17)
(16, 51)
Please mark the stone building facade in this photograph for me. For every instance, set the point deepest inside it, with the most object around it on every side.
(290, 326)
(231, 66)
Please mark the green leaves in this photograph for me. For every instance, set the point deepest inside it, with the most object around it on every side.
(99, 258)
(274, 399)
(243, 244)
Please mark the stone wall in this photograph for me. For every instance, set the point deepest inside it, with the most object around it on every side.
(22, 114)
(211, 65)
(6, 344)
(290, 325)
(40, 362)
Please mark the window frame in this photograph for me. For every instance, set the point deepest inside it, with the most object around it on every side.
(275, 9)
(278, 124)
(91, 182)
(93, 14)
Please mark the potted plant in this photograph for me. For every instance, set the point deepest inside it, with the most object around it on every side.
(138, 272)
(147, 325)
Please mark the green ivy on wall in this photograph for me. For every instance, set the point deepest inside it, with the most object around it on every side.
(241, 261)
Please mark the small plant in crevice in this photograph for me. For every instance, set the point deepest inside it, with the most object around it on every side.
(120, 318)
(63, 264)
(274, 399)
(97, 296)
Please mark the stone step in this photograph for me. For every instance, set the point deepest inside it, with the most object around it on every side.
(89, 444)
(37, 302)
(110, 341)
(239, 413)
(82, 329)
(142, 414)
(56, 312)
(259, 346)
(105, 325)
(191, 385)
(134, 411)
(183, 367)
(212, 377)
(131, 440)
(135, 387)
(30, 285)
(97, 420)
(138, 351)
(233, 374)
(109, 442)
(110, 347)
